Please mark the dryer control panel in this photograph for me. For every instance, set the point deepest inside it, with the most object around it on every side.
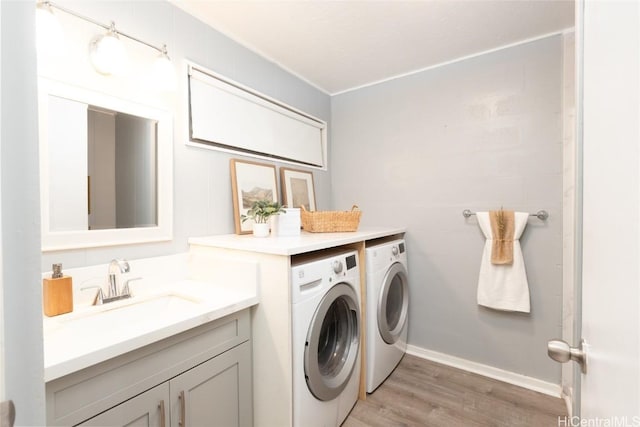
(379, 256)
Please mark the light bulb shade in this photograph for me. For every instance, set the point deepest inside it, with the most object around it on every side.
(163, 73)
(49, 36)
(107, 54)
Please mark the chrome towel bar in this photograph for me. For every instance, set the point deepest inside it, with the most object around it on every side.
(541, 214)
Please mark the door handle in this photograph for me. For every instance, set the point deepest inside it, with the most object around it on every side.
(182, 422)
(163, 421)
(562, 352)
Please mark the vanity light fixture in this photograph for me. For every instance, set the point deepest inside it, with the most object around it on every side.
(48, 30)
(163, 73)
(106, 51)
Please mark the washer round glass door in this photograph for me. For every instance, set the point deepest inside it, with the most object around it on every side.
(393, 304)
(333, 341)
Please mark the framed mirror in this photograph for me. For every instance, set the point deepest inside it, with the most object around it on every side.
(105, 169)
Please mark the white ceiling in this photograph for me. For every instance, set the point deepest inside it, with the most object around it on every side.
(341, 45)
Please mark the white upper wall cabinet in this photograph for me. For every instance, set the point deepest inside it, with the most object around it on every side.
(228, 116)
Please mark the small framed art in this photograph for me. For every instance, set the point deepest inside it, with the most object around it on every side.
(297, 189)
(250, 182)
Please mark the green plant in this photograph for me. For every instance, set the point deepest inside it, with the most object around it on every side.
(261, 210)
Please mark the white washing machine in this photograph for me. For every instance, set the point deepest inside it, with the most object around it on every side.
(387, 309)
(326, 338)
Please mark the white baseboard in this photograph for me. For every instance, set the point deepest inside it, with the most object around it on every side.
(488, 371)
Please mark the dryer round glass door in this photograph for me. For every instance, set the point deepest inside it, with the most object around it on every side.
(393, 303)
(333, 341)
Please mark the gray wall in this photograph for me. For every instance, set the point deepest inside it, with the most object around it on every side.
(479, 134)
(202, 186)
(20, 264)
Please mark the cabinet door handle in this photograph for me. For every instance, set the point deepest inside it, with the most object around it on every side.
(183, 410)
(163, 421)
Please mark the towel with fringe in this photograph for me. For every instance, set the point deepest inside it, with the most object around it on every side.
(503, 286)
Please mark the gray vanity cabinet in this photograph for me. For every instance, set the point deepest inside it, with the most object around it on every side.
(201, 377)
(150, 409)
(216, 393)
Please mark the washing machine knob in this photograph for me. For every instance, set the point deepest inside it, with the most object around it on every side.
(394, 250)
(337, 266)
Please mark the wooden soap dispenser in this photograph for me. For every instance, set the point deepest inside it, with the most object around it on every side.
(57, 293)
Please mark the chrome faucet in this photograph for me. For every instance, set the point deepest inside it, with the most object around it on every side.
(117, 266)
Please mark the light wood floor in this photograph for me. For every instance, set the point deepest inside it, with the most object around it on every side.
(424, 393)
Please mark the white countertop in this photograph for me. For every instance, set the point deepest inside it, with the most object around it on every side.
(305, 242)
(94, 334)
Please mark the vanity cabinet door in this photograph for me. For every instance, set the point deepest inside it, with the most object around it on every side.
(149, 409)
(216, 393)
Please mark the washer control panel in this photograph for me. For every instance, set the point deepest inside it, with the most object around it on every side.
(351, 262)
(336, 266)
(312, 275)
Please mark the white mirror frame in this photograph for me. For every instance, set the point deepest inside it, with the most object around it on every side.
(62, 240)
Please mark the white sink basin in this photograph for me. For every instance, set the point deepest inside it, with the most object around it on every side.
(138, 307)
(122, 317)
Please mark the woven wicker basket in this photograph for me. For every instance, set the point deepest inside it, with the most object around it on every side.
(330, 221)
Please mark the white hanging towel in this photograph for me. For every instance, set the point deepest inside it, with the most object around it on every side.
(503, 287)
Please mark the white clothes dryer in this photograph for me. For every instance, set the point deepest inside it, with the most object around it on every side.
(325, 302)
(387, 309)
